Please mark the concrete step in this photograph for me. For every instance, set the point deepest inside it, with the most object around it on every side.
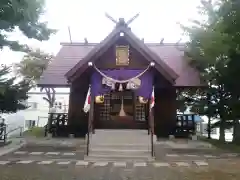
(118, 142)
(120, 146)
(96, 157)
(126, 138)
(139, 131)
(120, 133)
(114, 152)
(130, 136)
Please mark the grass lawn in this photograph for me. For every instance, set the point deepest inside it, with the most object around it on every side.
(35, 132)
(223, 145)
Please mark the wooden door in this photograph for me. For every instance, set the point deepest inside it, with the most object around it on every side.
(119, 112)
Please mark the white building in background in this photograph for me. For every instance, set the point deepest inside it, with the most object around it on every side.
(216, 131)
(37, 113)
(201, 127)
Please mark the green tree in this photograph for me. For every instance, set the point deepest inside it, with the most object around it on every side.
(181, 101)
(31, 68)
(24, 16)
(13, 95)
(207, 50)
(230, 12)
(33, 64)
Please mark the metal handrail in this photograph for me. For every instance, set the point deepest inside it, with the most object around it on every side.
(7, 125)
(20, 127)
(6, 133)
(90, 124)
(152, 146)
(2, 127)
(88, 137)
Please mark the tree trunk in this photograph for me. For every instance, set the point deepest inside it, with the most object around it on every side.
(222, 114)
(222, 129)
(236, 132)
(208, 115)
(209, 128)
(51, 100)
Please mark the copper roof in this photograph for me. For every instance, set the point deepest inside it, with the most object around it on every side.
(71, 53)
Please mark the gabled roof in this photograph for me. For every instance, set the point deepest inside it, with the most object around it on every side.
(71, 53)
(136, 43)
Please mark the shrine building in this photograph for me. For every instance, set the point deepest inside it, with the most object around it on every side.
(121, 73)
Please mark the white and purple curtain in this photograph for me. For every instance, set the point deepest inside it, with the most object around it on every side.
(145, 89)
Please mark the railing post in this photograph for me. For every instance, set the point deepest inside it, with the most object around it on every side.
(21, 131)
(152, 147)
(151, 127)
(5, 134)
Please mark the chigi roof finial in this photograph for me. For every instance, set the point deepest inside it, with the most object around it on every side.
(121, 21)
(111, 18)
(132, 19)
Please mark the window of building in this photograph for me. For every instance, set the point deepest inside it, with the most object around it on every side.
(30, 123)
(105, 108)
(32, 105)
(140, 111)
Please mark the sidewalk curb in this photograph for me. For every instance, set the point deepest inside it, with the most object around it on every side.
(15, 146)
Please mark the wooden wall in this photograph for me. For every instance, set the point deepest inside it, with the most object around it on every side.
(108, 59)
(77, 117)
(165, 111)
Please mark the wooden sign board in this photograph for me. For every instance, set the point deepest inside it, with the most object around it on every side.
(122, 55)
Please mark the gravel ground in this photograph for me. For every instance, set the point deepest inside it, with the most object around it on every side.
(217, 169)
(78, 153)
(161, 151)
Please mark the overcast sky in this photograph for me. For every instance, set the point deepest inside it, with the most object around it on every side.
(158, 19)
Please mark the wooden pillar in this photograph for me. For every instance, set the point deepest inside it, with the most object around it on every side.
(91, 115)
(77, 118)
(165, 114)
